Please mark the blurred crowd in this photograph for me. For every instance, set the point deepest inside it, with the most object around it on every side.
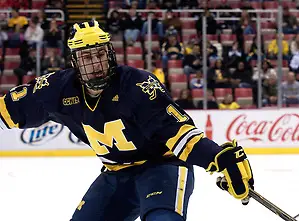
(176, 47)
(231, 49)
(24, 32)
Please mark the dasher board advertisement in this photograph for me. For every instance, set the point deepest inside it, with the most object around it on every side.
(50, 139)
(259, 131)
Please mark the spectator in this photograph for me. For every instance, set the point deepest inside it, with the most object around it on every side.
(290, 90)
(189, 45)
(235, 55)
(270, 90)
(172, 49)
(211, 101)
(212, 52)
(218, 76)
(16, 26)
(172, 21)
(266, 71)
(295, 45)
(185, 99)
(34, 33)
(192, 62)
(211, 24)
(242, 77)
(28, 62)
(53, 38)
(294, 63)
(157, 27)
(17, 22)
(133, 4)
(228, 103)
(197, 82)
(252, 54)
(42, 20)
(246, 24)
(3, 36)
(273, 48)
(113, 22)
(131, 25)
(243, 27)
(290, 24)
(52, 63)
(225, 24)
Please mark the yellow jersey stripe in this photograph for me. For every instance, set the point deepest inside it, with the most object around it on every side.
(5, 115)
(189, 147)
(116, 167)
(181, 187)
(182, 144)
(173, 140)
(168, 154)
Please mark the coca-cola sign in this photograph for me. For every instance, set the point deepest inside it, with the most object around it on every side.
(283, 128)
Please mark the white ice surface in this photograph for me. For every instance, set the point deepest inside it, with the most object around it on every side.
(49, 189)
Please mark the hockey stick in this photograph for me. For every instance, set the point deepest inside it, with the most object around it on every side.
(266, 203)
(296, 216)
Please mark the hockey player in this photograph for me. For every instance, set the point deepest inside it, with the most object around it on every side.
(147, 143)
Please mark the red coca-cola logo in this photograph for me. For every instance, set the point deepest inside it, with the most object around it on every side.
(283, 128)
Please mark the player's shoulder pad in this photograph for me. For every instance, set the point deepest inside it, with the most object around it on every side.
(135, 80)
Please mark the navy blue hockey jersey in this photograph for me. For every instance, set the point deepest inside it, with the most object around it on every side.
(133, 121)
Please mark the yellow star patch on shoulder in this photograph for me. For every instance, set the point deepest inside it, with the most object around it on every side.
(150, 87)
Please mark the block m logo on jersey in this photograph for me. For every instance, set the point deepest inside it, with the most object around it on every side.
(113, 135)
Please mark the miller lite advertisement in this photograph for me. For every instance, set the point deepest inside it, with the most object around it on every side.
(49, 136)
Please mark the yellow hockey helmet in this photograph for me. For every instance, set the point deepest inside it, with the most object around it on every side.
(87, 34)
(92, 54)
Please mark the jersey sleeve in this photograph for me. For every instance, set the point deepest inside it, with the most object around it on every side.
(30, 105)
(162, 120)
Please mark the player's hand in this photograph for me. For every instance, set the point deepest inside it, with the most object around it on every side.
(222, 183)
(233, 163)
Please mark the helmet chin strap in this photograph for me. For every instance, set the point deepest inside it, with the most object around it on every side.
(97, 84)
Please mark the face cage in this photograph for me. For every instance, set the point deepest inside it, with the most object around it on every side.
(99, 82)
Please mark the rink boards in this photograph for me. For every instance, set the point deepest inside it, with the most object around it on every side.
(269, 131)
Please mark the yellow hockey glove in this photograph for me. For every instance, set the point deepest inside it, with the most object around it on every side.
(233, 163)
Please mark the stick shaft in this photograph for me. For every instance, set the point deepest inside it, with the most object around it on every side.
(266, 203)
